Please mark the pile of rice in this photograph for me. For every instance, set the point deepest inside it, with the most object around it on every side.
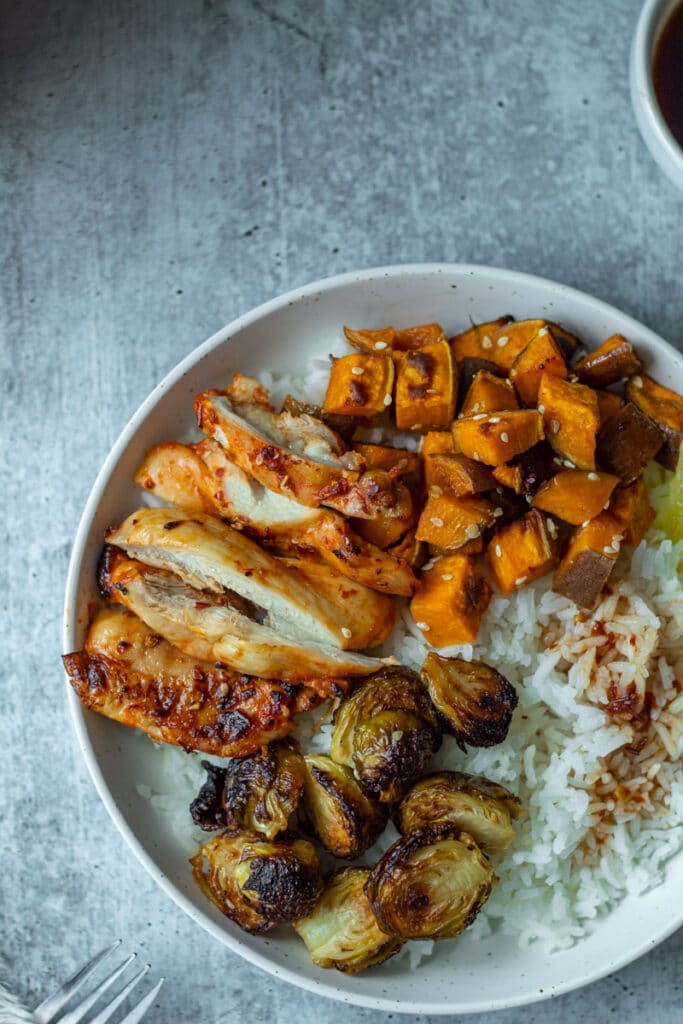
(602, 792)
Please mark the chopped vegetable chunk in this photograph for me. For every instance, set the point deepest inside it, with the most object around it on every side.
(379, 456)
(614, 360)
(437, 442)
(458, 474)
(521, 552)
(489, 393)
(426, 387)
(371, 341)
(542, 355)
(451, 601)
(527, 472)
(631, 508)
(609, 404)
(419, 336)
(570, 419)
(476, 343)
(498, 437)
(589, 560)
(663, 407)
(449, 522)
(627, 442)
(575, 495)
(359, 385)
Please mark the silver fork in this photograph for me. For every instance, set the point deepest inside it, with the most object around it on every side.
(50, 1009)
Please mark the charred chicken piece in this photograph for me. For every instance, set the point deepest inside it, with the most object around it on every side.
(129, 673)
(341, 816)
(470, 802)
(341, 931)
(386, 731)
(430, 884)
(258, 883)
(473, 701)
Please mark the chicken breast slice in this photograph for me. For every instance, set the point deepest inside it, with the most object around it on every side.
(129, 673)
(210, 555)
(214, 632)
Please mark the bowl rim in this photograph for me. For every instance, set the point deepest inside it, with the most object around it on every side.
(653, 127)
(320, 987)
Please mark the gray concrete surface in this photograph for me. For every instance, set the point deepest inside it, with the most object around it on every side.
(165, 167)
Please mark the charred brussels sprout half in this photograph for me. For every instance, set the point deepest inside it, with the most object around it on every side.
(430, 884)
(258, 792)
(474, 702)
(470, 802)
(386, 731)
(341, 931)
(258, 883)
(341, 816)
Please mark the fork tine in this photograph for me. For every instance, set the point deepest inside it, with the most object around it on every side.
(139, 1011)
(105, 1013)
(78, 1012)
(51, 1006)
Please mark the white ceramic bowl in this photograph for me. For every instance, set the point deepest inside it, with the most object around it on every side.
(463, 976)
(654, 129)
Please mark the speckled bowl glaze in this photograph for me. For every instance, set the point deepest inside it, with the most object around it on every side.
(464, 976)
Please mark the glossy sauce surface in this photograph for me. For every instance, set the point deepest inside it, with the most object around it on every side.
(667, 72)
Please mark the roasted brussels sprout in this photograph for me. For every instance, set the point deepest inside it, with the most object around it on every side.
(341, 816)
(474, 702)
(430, 884)
(470, 802)
(258, 883)
(341, 931)
(386, 731)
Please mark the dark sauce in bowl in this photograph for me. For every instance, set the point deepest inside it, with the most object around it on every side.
(667, 72)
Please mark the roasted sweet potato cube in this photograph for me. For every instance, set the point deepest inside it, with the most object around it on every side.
(497, 438)
(471, 366)
(627, 443)
(359, 385)
(426, 387)
(371, 341)
(541, 355)
(384, 531)
(575, 495)
(476, 343)
(437, 442)
(631, 508)
(614, 360)
(663, 407)
(380, 456)
(473, 547)
(344, 425)
(449, 522)
(451, 601)
(410, 549)
(609, 404)
(570, 419)
(588, 561)
(489, 393)
(526, 473)
(457, 474)
(419, 336)
(521, 552)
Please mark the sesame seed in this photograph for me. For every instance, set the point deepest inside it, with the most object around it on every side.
(593, 476)
(502, 342)
(436, 521)
(358, 371)
(616, 540)
(520, 580)
(423, 626)
(429, 565)
(585, 523)
(497, 512)
(379, 345)
(607, 550)
(447, 576)
(475, 456)
(552, 528)
(504, 437)
(558, 462)
(541, 409)
(432, 391)
(495, 419)
(568, 463)
(472, 531)
(555, 426)
(543, 331)
(416, 426)
(499, 490)
(480, 416)
(529, 498)
(387, 399)
(605, 506)
(637, 381)
(486, 342)
(498, 550)
(285, 481)
(573, 379)
(402, 463)
(346, 632)
(435, 491)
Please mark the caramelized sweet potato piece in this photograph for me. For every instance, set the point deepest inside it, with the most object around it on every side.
(410, 549)
(449, 522)
(385, 530)
(614, 360)
(526, 473)
(627, 442)
(665, 409)
(426, 387)
(418, 336)
(476, 343)
(371, 341)
(498, 437)
(631, 508)
(575, 495)
(380, 456)
(588, 561)
(437, 442)
(489, 393)
(471, 366)
(359, 385)
(521, 552)
(609, 404)
(457, 474)
(570, 419)
(472, 547)
(451, 601)
(542, 355)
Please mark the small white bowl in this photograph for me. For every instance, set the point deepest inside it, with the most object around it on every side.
(654, 129)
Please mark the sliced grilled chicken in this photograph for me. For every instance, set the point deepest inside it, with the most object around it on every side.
(210, 555)
(296, 455)
(194, 477)
(192, 621)
(131, 674)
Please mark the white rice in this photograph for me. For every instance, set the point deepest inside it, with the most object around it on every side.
(602, 796)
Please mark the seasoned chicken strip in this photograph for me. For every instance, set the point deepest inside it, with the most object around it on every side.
(293, 455)
(210, 555)
(215, 632)
(131, 674)
(202, 478)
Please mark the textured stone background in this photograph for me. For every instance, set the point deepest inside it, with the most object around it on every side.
(167, 166)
